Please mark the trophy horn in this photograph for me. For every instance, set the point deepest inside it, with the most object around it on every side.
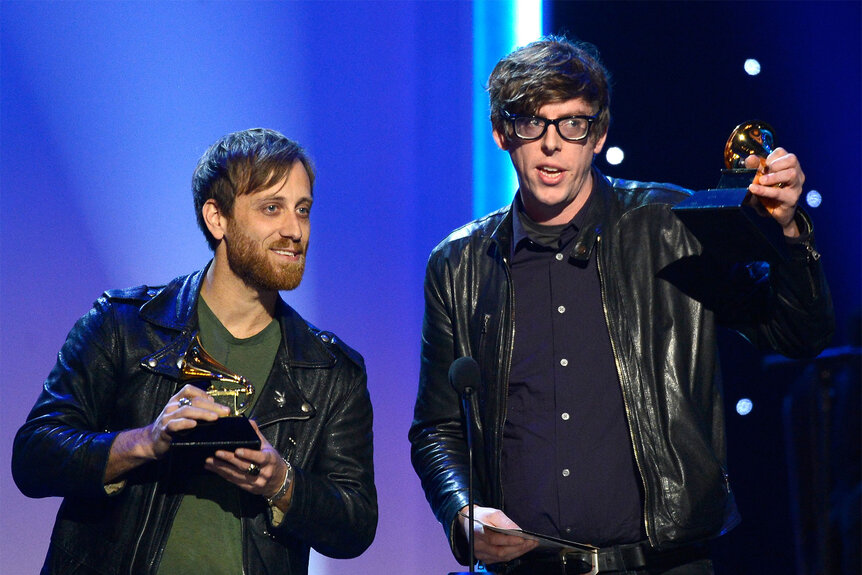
(749, 138)
(226, 387)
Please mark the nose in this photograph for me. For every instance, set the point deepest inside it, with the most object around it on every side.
(551, 141)
(291, 227)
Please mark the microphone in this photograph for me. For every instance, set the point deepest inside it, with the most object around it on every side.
(465, 378)
(464, 375)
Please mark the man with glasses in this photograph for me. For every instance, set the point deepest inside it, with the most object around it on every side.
(591, 312)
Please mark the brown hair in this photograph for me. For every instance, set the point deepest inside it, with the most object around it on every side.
(243, 163)
(552, 69)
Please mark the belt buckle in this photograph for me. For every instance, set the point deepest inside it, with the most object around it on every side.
(593, 555)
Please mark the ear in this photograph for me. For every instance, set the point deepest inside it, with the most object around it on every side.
(214, 219)
(600, 143)
(502, 141)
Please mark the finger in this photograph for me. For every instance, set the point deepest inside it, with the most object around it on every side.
(195, 403)
(192, 409)
(752, 162)
(254, 426)
(785, 178)
(503, 540)
(224, 470)
(192, 391)
(777, 154)
(784, 195)
(498, 519)
(780, 160)
(252, 478)
(499, 554)
(247, 462)
(190, 394)
(178, 425)
(235, 472)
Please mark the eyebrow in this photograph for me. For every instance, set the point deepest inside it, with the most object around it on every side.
(274, 197)
(578, 115)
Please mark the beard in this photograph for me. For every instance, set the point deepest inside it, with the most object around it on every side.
(250, 262)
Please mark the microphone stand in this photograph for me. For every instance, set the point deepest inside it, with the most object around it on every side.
(466, 404)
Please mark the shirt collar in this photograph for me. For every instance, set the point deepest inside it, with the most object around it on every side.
(522, 224)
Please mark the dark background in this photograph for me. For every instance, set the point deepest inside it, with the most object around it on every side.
(679, 89)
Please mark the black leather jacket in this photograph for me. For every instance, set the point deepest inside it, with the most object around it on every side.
(662, 299)
(117, 370)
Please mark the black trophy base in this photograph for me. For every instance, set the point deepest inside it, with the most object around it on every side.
(227, 433)
(731, 224)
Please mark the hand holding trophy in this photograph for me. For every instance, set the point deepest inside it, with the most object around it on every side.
(226, 388)
(730, 222)
(748, 139)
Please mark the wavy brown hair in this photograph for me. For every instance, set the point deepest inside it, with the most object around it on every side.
(242, 163)
(552, 69)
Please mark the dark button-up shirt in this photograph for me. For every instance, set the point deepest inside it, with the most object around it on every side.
(567, 465)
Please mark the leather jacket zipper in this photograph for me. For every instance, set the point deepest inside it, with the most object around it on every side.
(507, 371)
(812, 256)
(151, 498)
(603, 290)
(242, 535)
(186, 335)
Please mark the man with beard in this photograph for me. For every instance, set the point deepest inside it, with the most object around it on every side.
(102, 430)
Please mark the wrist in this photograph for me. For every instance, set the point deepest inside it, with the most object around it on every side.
(791, 230)
(285, 485)
(136, 444)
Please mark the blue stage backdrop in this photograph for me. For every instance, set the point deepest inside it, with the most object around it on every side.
(105, 108)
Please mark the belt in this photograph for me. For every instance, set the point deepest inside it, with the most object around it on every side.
(619, 558)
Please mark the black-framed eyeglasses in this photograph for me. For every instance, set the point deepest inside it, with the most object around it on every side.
(570, 128)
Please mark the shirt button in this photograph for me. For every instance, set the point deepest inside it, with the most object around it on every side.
(564, 362)
(565, 416)
(565, 472)
(561, 309)
(559, 257)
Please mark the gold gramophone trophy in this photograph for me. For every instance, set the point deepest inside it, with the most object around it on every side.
(225, 387)
(730, 222)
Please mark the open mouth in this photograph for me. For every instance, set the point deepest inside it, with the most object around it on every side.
(550, 174)
(290, 253)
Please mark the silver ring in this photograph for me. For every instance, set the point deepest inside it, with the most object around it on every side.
(253, 470)
(184, 401)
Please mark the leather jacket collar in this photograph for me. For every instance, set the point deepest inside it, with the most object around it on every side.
(596, 219)
(173, 307)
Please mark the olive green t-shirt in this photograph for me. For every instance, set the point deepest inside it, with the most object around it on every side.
(206, 534)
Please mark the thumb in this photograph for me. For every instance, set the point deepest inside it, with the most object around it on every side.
(752, 162)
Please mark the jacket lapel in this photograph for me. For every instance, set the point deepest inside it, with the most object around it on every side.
(302, 347)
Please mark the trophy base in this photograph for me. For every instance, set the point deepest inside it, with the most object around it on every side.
(226, 433)
(730, 223)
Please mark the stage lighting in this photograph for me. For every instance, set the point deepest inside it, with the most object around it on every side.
(813, 198)
(744, 406)
(614, 156)
(498, 28)
(752, 67)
